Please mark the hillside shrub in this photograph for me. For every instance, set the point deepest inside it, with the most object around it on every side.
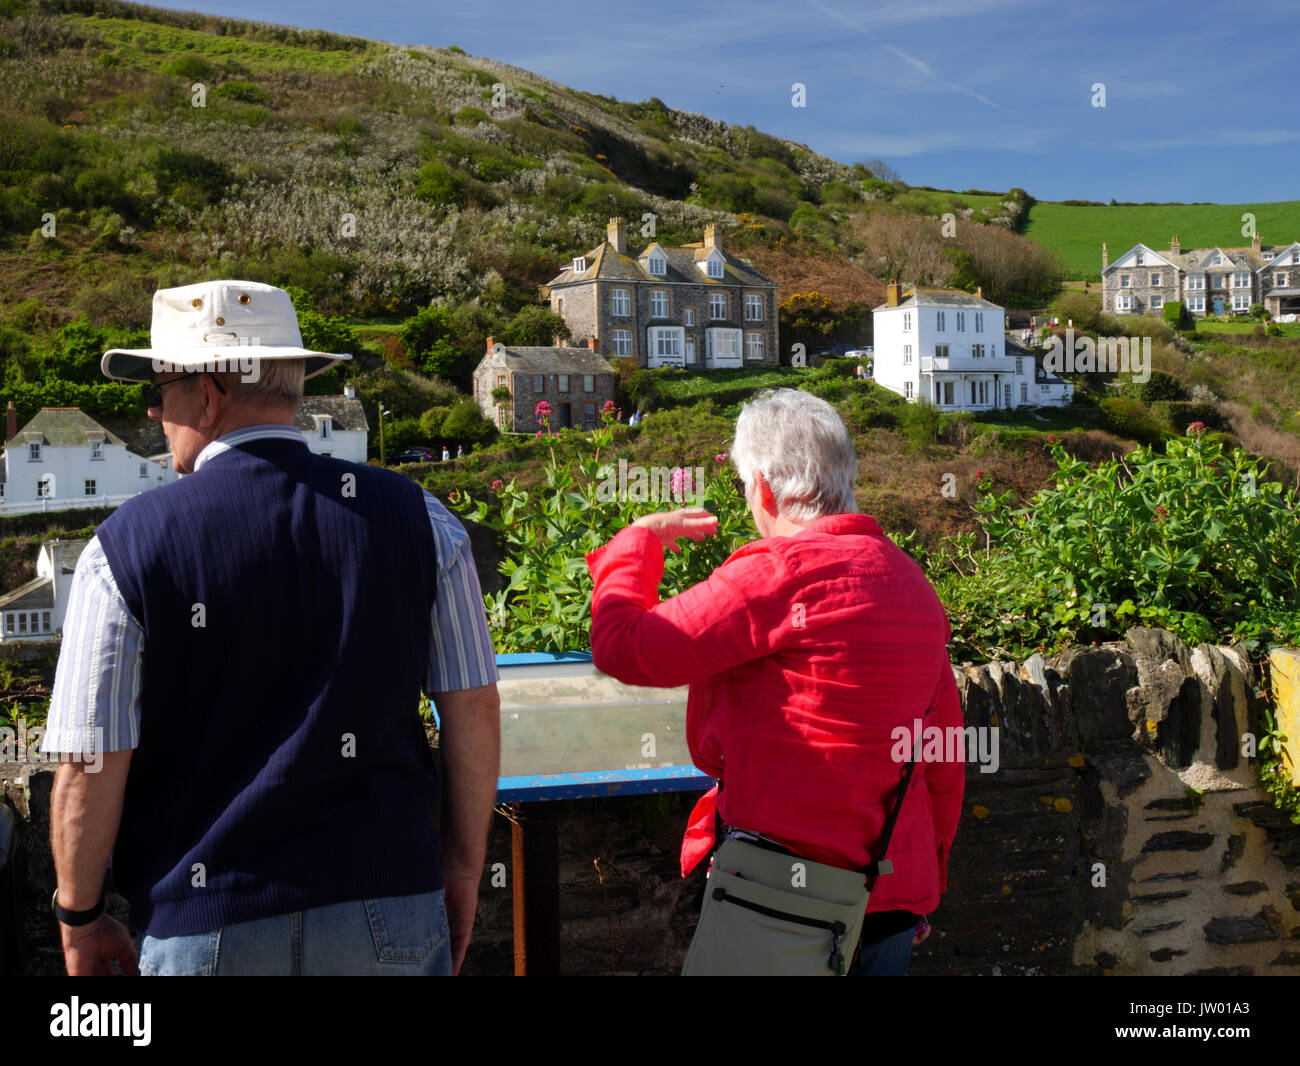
(1196, 540)
(546, 533)
(1130, 418)
(465, 424)
(1178, 415)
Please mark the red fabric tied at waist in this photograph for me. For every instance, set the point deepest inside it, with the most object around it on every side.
(699, 838)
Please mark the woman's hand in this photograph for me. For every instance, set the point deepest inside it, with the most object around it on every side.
(693, 522)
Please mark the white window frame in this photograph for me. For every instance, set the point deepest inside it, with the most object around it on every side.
(714, 268)
(1020, 364)
(1138, 259)
(97, 449)
(755, 347)
(907, 321)
(658, 303)
(1157, 301)
(753, 307)
(977, 351)
(979, 321)
(622, 342)
(620, 303)
(539, 384)
(144, 469)
(1241, 301)
(907, 390)
(1280, 280)
(1024, 392)
(588, 382)
(34, 452)
(664, 345)
(939, 319)
(727, 339)
(658, 266)
(1241, 279)
(961, 321)
(1155, 279)
(941, 351)
(326, 427)
(1196, 303)
(580, 264)
(688, 316)
(1125, 281)
(717, 302)
(907, 355)
(1195, 282)
(562, 383)
(90, 487)
(1124, 301)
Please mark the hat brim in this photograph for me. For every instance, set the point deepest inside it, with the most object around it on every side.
(137, 364)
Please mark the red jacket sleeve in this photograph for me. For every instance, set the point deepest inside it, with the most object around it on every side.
(709, 628)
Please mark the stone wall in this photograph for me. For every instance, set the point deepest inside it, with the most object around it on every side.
(1122, 833)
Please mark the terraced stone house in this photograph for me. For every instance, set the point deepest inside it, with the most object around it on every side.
(690, 305)
(1207, 280)
(576, 382)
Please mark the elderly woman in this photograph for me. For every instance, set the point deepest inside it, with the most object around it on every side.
(806, 652)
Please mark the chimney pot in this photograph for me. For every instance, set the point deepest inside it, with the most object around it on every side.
(711, 236)
(11, 421)
(891, 294)
(591, 344)
(491, 343)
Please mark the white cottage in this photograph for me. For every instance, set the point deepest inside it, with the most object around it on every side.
(334, 425)
(35, 611)
(950, 349)
(64, 457)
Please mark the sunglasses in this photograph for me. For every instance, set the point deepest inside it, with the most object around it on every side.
(152, 391)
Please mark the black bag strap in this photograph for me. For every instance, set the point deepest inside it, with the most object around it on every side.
(882, 865)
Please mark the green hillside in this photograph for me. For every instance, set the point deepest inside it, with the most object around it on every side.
(1076, 232)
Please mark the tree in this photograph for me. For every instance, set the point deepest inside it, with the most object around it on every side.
(465, 424)
(535, 326)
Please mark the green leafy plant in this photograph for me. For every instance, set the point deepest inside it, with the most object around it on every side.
(1273, 771)
(546, 605)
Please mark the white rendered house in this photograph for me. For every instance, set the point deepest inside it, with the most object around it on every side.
(334, 425)
(950, 349)
(63, 456)
(35, 611)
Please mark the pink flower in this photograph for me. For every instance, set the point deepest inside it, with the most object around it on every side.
(680, 484)
(979, 473)
(540, 434)
(609, 405)
(1194, 428)
(543, 408)
(722, 458)
(1162, 512)
(453, 495)
(1051, 438)
(496, 485)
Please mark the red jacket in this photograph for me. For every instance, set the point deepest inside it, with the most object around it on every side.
(803, 655)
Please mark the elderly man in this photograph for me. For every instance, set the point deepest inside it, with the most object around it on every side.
(805, 652)
(250, 643)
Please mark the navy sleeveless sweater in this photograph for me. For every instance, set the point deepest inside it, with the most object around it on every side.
(286, 601)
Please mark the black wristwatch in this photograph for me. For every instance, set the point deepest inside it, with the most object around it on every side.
(76, 917)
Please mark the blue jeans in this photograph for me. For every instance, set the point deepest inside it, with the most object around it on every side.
(395, 936)
(885, 958)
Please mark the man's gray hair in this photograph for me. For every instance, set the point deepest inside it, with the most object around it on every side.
(802, 448)
(279, 382)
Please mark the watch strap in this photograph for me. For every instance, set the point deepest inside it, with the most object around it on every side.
(68, 917)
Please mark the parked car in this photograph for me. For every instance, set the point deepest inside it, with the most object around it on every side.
(860, 353)
(416, 455)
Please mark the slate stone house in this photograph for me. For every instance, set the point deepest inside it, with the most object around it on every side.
(1215, 280)
(692, 305)
(576, 382)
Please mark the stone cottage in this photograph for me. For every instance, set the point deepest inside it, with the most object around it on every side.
(576, 382)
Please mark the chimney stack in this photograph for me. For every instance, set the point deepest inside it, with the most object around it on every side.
(491, 343)
(350, 391)
(11, 422)
(1257, 244)
(616, 234)
(979, 291)
(591, 344)
(711, 236)
(891, 294)
(1105, 256)
(1174, 246)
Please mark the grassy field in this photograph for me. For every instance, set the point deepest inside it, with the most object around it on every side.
(696, 385)
(925, 202)
(1289, 329)
(1077, 232)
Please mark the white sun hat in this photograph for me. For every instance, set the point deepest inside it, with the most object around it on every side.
(216, 325)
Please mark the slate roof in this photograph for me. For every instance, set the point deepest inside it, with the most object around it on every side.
(1042, 376)
(923, 297)
(536, 360)
(64, 427)
(605, 264)
(345, 412)
(1196, 260)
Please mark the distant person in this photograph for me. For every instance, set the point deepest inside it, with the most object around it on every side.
(445, 453)
(805, 652)
(460, 451)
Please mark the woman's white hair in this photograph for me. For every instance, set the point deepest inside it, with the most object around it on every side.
(802, 448)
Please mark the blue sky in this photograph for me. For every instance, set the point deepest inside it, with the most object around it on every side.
(1200, 99)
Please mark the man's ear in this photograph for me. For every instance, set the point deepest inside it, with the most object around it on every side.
(213, 401)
